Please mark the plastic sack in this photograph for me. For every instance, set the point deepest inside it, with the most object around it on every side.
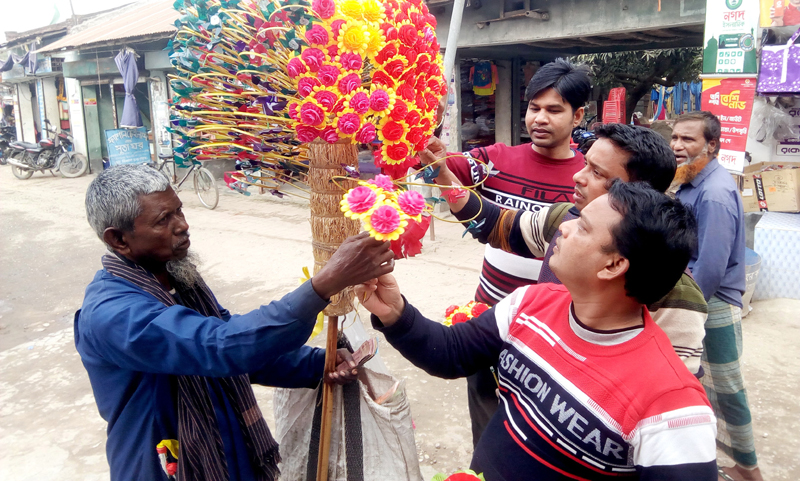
(774, 123)
(374, 441)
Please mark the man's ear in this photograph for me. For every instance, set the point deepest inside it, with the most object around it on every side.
(713, 145)
(615, 268)
(578, 117)
(116, 239)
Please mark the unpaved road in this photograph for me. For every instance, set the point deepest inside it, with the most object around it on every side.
(254, 249)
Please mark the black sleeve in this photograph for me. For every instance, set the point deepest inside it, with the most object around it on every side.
(442, 351)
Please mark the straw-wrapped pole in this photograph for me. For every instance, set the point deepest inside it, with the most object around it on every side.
(329, 227)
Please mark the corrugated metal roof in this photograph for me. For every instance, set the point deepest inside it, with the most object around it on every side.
(136, 21)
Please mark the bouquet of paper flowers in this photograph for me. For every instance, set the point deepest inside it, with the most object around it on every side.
(456, 314)
(257, 79)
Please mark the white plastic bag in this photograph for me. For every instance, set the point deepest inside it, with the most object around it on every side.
(387, 436)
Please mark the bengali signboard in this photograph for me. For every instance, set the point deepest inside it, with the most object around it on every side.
(128, 146)
(731, 100)
(730, 36)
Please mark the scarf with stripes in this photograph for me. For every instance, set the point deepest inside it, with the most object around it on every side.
(202, 456)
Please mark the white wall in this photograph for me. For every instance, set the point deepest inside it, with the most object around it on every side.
(26, 113)
(76, 121)
(502, 102)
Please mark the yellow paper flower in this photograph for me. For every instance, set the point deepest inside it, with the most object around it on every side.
(351, 9)
(354, 37)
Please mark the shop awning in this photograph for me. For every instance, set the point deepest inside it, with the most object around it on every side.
(129, 23)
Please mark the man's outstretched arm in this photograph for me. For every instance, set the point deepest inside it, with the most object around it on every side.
(447, 352)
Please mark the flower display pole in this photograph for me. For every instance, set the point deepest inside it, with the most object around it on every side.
(329, 227)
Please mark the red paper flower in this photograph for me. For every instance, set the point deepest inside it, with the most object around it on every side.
(317, 35)
(348, 124)
(395, 68)
(329, 135)
(361, 199)
(450, 310)
(311, 114)
(379, 100)
(313, 57)
(414, 136)
(479, 308)
(349, 83)
(454, 194)
(392, 131)
(295, 67)
(351, 61)
(412, 118)
(366, 134)
(325, 98)
(328, 74)
(434, 84)
(411, 202)
(360, 103)
(407, 92)
(382, 78)
(397, 152)
(386, 53)
(306, 84)
(324, 8)
(399, 111)
(385, 219)
(431, 101)
(306, 133)
(458, 318)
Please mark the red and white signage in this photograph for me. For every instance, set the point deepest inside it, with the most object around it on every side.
(731, 100)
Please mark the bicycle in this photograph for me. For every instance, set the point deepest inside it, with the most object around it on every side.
(204, 184)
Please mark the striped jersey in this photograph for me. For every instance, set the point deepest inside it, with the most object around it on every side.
(575, 403)
(518, 178)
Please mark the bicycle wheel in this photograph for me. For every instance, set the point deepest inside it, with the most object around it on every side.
(206, 188)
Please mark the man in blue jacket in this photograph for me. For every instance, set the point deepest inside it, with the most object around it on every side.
(169, 366)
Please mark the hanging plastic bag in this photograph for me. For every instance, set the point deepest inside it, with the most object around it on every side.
(369, 440)
(773, 121)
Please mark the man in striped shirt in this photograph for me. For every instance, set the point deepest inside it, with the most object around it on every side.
(528, 177)
(589, 386)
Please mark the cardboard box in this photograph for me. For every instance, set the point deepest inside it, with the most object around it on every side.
(749, 197)
(782, 190)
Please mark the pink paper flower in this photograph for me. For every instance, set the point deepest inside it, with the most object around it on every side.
(385, 219)
(295, 67)
(348, 124)
(379, 100)
(328, 74)
(313, 57)
(293, 110)
(336, 27)
(325, 98)
(382, 181)
(311, 114)
(366, 134)
(324, 8)
(349, 83)
(317, 35)
(329, 135)
(306, 133)
(361, 199)
(360, 103)
(351, 61)
(306, 85)
(411, 202)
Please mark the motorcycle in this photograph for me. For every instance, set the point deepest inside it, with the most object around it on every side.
(49, 154)
(8, 134)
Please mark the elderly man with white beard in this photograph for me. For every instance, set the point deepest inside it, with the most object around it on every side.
(718, 266)
(169, 366)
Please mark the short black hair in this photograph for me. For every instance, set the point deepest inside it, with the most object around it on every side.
(657, 234)
(651, 160)
(569, 80)
(712, 129)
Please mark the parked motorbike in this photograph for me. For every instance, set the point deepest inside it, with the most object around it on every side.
(7, 135)
(49, 154)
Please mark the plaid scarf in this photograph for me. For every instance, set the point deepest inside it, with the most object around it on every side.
(202, 456)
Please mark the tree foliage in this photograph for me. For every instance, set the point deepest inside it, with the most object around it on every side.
(640, 71)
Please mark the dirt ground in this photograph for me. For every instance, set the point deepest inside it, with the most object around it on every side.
(254, 249)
